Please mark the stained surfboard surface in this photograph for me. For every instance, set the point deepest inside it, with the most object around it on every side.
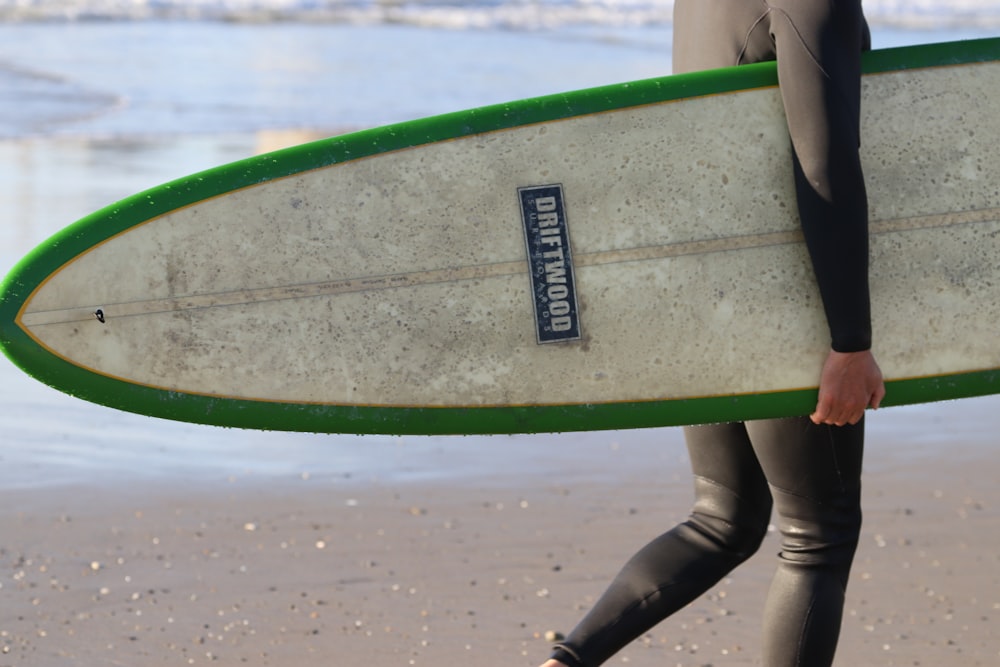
(627, 256)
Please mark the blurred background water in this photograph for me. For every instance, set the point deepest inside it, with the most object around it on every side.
(100, 99)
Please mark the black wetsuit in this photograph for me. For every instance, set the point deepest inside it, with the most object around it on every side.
(810, 474)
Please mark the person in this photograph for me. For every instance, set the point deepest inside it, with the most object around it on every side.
(807, 469)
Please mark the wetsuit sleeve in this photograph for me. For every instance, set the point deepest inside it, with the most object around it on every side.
(819, 70)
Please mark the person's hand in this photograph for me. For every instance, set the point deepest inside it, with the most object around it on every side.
(850, 383)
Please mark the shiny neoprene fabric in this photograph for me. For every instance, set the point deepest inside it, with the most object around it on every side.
(809, 475)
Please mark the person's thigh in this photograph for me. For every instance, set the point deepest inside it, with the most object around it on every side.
(815, 461)
(729, 481)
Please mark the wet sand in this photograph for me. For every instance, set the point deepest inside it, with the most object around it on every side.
(321, 571)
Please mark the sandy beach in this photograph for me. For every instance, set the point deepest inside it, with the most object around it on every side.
(343, 570)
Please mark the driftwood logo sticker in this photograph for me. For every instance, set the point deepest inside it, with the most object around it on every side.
(550, 262)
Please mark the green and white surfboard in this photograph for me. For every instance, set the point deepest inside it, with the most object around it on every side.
(626, 256)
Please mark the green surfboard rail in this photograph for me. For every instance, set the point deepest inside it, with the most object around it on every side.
(112, 220)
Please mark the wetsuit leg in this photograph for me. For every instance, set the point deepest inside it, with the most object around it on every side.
(814, 472)
(814, 477)
(728, 521)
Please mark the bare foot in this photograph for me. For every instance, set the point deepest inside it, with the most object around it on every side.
(552, 663)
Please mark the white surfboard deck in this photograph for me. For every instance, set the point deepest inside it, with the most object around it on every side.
(401, 280)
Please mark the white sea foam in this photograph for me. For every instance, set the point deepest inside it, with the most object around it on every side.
(462, 14)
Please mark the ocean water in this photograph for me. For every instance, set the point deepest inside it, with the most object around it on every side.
(102, 98)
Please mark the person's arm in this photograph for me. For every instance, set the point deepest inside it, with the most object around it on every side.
(820, 87)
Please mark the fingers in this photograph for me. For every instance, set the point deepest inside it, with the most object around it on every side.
(877, 397)
(822, 412)
(849, 383)
(827, 412)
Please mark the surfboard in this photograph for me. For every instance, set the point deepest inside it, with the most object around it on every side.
(620, 257)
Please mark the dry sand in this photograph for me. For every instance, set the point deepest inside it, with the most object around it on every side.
(339, 571)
